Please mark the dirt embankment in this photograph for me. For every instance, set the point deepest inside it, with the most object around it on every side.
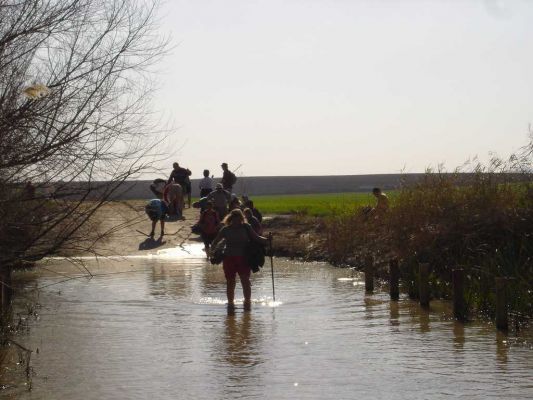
(297, 237)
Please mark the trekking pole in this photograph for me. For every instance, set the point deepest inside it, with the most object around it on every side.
(272, 264)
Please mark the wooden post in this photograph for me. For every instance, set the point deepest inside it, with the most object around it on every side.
(459, 310)
(423, 284)
(5, 289)
(502, 320)
(369, 274)
(394, 277)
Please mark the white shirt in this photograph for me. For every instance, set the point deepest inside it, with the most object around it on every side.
(206, 183)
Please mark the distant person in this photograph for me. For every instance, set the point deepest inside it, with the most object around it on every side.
(257, 214)
(228, 178)
(220, 198)
(382, 205)
(157, 210)
(206, 184)
(234, 203)
(209, 224)
(237, 234)
(188, 190)
(181, 176)
(157, 187)
(253, 221)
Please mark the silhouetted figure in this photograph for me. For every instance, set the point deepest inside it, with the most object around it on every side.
(228, 178)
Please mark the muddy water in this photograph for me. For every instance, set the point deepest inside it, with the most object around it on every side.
(156, 328)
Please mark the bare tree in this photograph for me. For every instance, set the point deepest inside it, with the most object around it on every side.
(75, 120)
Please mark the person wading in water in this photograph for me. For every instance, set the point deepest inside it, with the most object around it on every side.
(237, 234)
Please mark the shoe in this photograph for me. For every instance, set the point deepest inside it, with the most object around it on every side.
(247, 306)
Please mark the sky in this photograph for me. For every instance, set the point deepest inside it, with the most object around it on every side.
(342, 87)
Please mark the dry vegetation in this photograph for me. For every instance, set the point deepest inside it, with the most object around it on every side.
(483, 224)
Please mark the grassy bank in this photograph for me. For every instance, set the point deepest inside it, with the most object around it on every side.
(312, 204)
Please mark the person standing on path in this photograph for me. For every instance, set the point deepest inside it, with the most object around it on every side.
(237, 234)
(206, 184)
(181, 176)
(228, 178)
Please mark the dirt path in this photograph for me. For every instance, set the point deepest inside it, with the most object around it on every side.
(127, 227)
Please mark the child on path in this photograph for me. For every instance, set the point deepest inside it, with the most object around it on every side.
(209, 224)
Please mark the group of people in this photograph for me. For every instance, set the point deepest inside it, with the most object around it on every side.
(223, 218)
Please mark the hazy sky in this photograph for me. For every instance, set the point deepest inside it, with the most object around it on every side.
(309, 87)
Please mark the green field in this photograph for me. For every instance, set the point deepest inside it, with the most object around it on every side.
(312, 204)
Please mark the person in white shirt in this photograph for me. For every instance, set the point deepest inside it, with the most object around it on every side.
(206, 184)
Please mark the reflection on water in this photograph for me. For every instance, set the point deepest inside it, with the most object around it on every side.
(458, 335)
(156, 327)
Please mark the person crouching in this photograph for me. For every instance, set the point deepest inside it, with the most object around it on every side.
(157, 210)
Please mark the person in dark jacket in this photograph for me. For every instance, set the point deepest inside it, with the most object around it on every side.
(253, 221)
(181, 176)
(228, 178)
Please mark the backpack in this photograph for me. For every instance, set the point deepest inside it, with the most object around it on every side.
(232, 179)
(254, 253)
(209, 223)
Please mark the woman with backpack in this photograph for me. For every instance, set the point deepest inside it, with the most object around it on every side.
(237, 234)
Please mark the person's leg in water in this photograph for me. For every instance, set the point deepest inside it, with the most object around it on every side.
(207, 242)
(230, 272)
(247, 291)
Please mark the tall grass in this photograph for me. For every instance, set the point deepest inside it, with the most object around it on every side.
(481, 221)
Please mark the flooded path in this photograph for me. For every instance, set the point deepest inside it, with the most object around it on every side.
(155, 327)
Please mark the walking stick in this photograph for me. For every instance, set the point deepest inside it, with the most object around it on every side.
(272, 264)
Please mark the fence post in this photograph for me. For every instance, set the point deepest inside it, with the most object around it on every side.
(369, 274)
(394, 277)
(502, 319)
(5, 289)
(458, 294)
(423, 284)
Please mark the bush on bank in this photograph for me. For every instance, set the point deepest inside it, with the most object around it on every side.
(481, 221)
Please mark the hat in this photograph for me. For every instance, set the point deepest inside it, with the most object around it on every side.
(224, 164)
(219, 186)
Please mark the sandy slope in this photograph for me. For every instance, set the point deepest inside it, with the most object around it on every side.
(126, 227)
